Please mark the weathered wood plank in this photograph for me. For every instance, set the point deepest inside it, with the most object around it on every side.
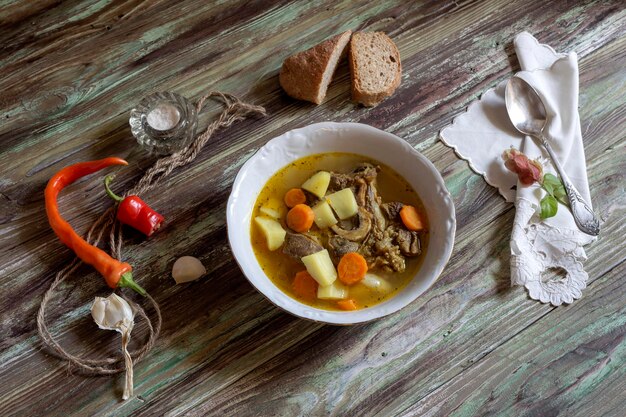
(554, 367)
(68, 84)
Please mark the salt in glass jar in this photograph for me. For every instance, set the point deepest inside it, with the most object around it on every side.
(164, 123)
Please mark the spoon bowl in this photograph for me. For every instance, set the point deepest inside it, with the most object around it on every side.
(526, 110)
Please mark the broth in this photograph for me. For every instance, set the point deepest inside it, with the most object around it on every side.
(281, 268)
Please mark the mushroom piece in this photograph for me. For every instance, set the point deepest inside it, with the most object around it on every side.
(360, 233)
(361, 194)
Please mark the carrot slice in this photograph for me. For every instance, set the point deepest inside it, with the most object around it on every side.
(347, 305)
(294, 197)
(305, 286)
(352, 268)
(300, 218)
(411, 218)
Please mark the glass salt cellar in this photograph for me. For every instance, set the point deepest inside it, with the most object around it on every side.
(164, 123)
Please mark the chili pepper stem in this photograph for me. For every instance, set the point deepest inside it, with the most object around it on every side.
(126, 280)
(107, 181)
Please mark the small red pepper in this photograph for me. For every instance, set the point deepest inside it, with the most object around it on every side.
(134, 212)
(116, 273)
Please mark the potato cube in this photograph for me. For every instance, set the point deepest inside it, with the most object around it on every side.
(320, 267)
(318, 183)
(344, 203)
(274, 208)
(270, 212)
(272, 231)
(335, 291)
(324, 216)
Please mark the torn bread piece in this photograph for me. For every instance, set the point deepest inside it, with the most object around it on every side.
(306, 75)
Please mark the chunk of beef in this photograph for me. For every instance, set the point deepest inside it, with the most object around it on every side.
(298, 245)
(339, 181)
(363, 173)
(392, 210)
(366, 171)
(382, 252)
(387, 248)
(311, 199)
(408, 242)
(339, 246)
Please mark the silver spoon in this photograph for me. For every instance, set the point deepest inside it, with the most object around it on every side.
(528, 114)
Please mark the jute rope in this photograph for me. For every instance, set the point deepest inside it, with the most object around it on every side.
(235, 110)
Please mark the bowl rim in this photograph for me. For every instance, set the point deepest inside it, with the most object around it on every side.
(329, 316)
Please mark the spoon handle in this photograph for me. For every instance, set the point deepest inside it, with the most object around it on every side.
(584, 216)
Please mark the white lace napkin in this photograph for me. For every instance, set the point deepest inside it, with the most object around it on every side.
(484, 131)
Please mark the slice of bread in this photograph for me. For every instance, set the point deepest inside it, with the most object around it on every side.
(375, 67)
(306, 75)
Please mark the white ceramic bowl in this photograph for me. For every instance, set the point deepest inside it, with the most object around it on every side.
(358, 139)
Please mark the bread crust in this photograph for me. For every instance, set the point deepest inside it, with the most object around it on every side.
(302, 74)
(372, 98)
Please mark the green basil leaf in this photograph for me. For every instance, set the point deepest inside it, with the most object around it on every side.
(550, 183)
(549, 206)
(548, 187)
(559, 194)
(551, 179)
(554, 186)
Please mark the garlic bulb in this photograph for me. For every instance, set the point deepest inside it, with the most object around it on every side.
(186, 269)
(114, 313)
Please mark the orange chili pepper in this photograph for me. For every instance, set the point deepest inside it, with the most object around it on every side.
(116, 273)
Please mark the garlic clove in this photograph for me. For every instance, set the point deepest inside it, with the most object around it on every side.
(116, 311)
(186, 269)
(98, 310)
(126, 312)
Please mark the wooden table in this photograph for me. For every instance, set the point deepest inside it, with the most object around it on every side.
(471, 345)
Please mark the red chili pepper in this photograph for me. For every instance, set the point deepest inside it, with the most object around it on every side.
(134, 212)
(116, 273)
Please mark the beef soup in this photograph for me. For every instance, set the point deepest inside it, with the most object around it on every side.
(339, 231)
